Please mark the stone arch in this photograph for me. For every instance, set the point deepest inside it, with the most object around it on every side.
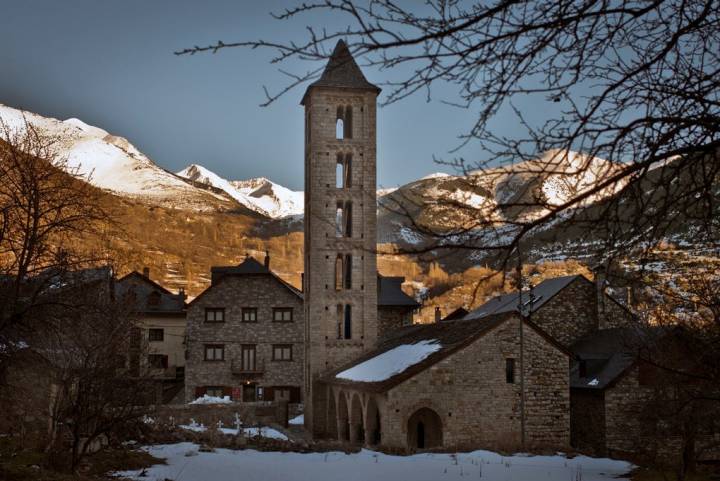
(343, 420)
(357, 426)
(373, 423)
(424, 430)
(332, 420)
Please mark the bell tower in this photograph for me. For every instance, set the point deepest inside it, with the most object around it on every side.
(340, 225)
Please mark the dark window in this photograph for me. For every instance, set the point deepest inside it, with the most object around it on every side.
(282, 352)
(348, 171)
(156, 335)
(347, 124)
(348, 219)
(582, 368)
(214, 314)
(282, 314)
(510, 371)
(214, 352)
(248, 357)
(158, 361)
(249, 314)
(348, 322)
(348, 271)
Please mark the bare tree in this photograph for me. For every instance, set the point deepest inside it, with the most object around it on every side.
(635, 82)
(46, 210)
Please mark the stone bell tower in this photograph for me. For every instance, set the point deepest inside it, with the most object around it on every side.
(340, 225)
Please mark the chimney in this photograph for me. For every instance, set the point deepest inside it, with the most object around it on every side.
(600, 284)
(181, 293)
(438, 314)
(267, 260)
(146, 272)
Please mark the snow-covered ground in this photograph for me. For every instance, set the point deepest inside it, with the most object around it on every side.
(186, 463)
(205, 399)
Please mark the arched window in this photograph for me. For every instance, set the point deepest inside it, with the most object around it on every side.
(348, 170)
(339, 269)
(339, 220)
(340, 175)
(348, 322)
(347, 214)
(348, 271)
(348, 122)
(340, 124)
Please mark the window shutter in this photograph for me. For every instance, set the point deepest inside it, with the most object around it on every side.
(200, 391)
(269, 394)
(227, 391)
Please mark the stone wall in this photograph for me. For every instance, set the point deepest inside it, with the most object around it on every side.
(587, 421)
(391, 318)
(233, 293)
(570, 314)
(477, 407)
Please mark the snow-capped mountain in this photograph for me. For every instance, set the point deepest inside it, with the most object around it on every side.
(260, 194)
(113, 163)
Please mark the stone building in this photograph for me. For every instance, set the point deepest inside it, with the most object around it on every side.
(567, 308)
(341, 293)
(245, 336)
(493, 383)
(161, 315)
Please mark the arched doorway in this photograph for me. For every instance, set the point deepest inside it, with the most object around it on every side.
(357, 426)
(373, 433)
(343, 425)
(424, 430)
(332, 421)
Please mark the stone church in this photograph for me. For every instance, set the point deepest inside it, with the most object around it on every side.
(499, 383)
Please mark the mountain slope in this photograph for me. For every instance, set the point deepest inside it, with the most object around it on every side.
(260, 194)
(112, 163)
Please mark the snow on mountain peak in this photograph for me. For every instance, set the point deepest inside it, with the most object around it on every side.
(259, 194)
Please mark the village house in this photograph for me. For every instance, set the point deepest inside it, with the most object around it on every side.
(246, 336)
(161, 318)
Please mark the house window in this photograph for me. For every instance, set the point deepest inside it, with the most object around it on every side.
(158, 361)
(282, 394)
(156, 335)
(214, 391)
(214, 352)
(248, 357)
(510, 371)
(282, 314)
(214, 314)
(249, 314)
(282, 352)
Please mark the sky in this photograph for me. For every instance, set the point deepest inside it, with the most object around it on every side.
(111, 64)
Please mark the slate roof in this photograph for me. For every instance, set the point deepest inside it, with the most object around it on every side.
(532, 299)
(451, 335)
(140, 288)
(248, 267)
(607, 354)
(342, 71)
(390, 293)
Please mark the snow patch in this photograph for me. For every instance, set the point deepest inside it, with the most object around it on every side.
(205, 399)
(390, 363)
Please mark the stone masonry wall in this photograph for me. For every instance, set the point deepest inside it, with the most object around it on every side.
(478, 408)
(570, 314)
(233, 293)
(391, 318)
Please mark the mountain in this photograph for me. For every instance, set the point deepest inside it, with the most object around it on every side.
(260, 194)
(113, 164)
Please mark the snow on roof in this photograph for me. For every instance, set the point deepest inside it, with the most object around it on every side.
(390, 363)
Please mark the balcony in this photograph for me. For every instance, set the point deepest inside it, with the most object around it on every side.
(239, 369)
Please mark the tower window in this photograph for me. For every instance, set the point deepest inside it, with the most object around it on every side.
(348, 219)
(339, 317)
(348, 322)
(340, 172)
(339, 220)
(348, 170)
(339, 272)
(348, 271)
(343, 122)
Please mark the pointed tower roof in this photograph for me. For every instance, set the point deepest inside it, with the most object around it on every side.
(342, 72)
